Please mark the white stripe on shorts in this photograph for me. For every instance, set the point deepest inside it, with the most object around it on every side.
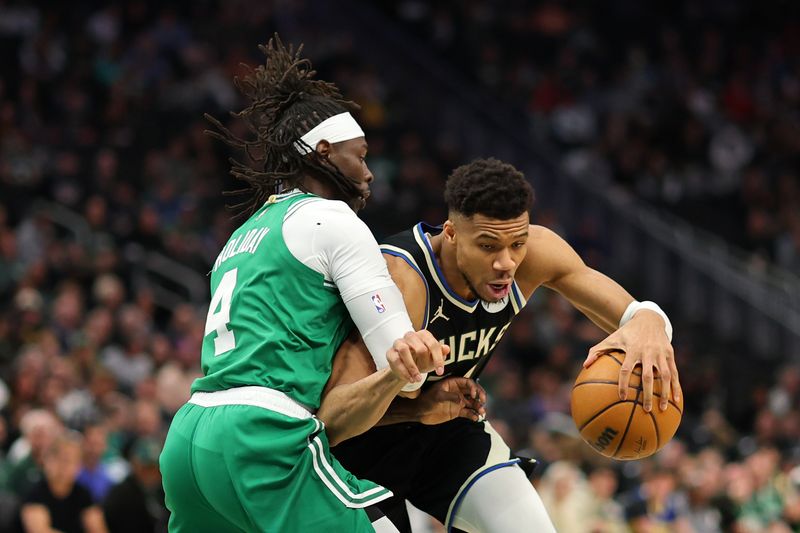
(317, 457)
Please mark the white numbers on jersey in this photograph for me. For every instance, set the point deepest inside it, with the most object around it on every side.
(217, 319)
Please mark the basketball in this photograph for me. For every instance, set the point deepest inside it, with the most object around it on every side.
(621, 429)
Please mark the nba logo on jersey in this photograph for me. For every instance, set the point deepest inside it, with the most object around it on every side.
(379, 305)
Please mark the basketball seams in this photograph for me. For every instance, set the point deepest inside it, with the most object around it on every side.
(604, 379)
(628, 425)
(658, 433)
(606, 408)
(657, 395)
(610, 382)
(595, 382)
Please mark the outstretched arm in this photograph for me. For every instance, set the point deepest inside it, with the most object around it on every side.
(356, 396)
(643, 337)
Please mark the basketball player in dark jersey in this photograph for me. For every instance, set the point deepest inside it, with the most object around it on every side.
(464, 282)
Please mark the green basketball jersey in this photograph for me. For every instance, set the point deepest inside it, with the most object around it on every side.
(272, 321)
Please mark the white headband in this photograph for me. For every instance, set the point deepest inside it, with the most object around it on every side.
(338, 128)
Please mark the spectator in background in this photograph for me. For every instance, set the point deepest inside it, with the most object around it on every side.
(57, 502)
(137, 504)
(93, 475)
(26, 457)
(566, 497)
(604, 514)
(657, 504)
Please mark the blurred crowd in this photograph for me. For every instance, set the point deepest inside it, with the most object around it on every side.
(692, 105)
(101, 118)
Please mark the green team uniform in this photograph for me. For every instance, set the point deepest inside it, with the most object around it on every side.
(245, 454)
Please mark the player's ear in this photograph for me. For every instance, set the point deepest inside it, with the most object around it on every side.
(449, 231)
(324, 148)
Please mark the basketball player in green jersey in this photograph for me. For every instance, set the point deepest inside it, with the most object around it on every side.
(246, 453)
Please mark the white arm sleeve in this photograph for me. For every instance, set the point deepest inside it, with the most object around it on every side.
(329, 238)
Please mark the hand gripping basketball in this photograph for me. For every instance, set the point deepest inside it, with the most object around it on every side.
(621, 428)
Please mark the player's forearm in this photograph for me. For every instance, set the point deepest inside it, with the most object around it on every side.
(599, 320)
(401, 410)
(351, 409)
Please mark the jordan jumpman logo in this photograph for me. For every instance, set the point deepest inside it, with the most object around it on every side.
(439, 313)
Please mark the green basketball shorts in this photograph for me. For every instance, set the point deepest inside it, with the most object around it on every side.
(236, 463)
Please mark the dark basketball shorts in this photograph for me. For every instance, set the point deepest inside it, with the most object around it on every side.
(428, 465)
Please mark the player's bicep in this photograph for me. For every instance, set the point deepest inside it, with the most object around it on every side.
(411, 285)
(598, 296)
(351, 362)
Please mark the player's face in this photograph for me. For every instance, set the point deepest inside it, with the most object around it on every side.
(350, 158)
(488, 252)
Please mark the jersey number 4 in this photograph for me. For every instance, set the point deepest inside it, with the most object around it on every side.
(219, 314)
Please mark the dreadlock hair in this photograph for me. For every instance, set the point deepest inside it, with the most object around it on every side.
(285, 103)
(490, 188)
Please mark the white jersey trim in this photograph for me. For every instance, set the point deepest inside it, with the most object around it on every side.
(430, 259)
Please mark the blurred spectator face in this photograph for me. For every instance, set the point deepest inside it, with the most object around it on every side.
(147, 418)
(40, 428)
(29, 303)
(603, 482)
(95, 444)
(108, 291)
(766, 426)
(62, 461)
(146, 389)
(739, 483)
(102, 383)
(52, 390)
(160, 349)
(133, 323)
(183, 317)
(763, 465)
(68, 309)
(106, 165)
(99, 327)
(661, 485)
(96, 212)
(563, 479)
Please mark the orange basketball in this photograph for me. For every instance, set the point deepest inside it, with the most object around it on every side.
(616, 428)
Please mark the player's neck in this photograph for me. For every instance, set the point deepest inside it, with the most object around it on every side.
(446, 257)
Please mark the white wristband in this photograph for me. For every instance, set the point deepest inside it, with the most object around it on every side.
(411, 386)
(635, 307)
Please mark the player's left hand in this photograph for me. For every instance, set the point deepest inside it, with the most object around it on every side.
(644, 342)
(452, 398)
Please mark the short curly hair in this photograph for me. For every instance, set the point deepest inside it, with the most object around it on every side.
(488, 187)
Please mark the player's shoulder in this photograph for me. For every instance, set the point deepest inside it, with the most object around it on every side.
(319, 205)
(405, 274)
(325, 215)
(546, 251)
(542, 234)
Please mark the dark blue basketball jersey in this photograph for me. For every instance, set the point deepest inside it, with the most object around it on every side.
(472, 329)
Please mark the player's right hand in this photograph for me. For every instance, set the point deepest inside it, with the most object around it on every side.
(451, 398)
(415, 353)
